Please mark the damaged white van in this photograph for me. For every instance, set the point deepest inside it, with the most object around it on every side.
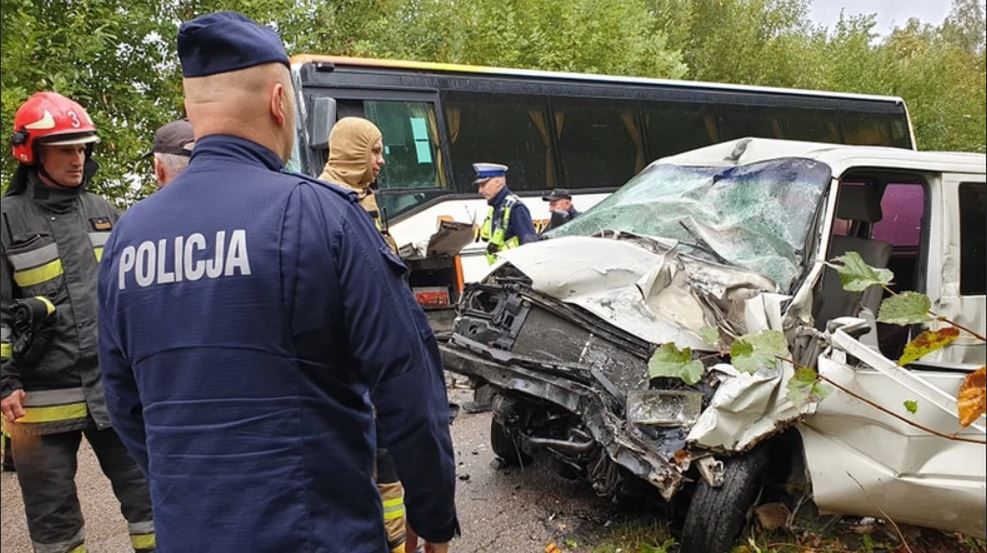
(734, 237)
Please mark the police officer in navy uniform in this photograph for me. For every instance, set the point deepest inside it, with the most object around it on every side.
(508, 223)
(252, 321)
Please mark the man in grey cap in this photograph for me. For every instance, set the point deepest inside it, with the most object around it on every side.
(560, 206)
(253, 321)
(172, 150)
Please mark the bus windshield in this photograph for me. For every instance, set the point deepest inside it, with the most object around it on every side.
(755, 216)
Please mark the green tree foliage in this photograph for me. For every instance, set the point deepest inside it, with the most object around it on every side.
(118, 58)
(593, 36)
(114, 57)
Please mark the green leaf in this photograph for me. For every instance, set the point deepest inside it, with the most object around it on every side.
(670, 361)
(856, 275)
(905, 308)
(709, 335)
(928, 342)
(806, 387)
(753, 352)
(911, 406)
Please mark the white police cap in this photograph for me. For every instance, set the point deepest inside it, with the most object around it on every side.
(486, 171)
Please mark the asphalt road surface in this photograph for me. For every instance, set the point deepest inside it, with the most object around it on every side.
(500, 510)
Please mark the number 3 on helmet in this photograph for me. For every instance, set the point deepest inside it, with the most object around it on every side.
(49, 118)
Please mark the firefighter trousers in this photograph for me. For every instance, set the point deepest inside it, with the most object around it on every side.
(392, 497)
(46, 467)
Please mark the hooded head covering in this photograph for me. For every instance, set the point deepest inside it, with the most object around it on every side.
(350, 159)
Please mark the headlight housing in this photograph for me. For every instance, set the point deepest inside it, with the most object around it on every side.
(664, 408)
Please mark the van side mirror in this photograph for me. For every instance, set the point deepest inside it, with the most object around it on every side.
(320, 121)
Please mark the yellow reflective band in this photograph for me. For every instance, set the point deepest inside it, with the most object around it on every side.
(54, 413)
(396, 502)
(78, 549)
(44, 273)
(98, 251)
(393, 513)
(49, 307)
(393, 508)
(5, 350)
(142, 541)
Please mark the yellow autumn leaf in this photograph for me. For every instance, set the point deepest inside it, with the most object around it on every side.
(971, 401)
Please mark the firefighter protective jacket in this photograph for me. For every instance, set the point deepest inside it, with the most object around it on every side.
(52, 242)
(251, 319)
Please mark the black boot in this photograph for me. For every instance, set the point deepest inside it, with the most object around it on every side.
(8, 456)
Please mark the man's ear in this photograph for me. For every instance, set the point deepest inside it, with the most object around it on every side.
(159, 171)
(279, 109)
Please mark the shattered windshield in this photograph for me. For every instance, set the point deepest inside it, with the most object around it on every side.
(755, 216)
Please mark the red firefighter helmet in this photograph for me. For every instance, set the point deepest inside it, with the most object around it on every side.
(49, 118)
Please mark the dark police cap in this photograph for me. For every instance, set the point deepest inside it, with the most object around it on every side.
(226, 41)
(557, 194)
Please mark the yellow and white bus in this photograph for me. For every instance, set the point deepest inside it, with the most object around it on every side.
(585, 133)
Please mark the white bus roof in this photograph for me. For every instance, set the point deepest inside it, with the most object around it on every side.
(301, 59)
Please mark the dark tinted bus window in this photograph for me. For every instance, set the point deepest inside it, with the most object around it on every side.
(512, 130)
(875, 129)
(600, 142)
(412, 157)
(742, 121)
(674, 128)
(810, 125)
(973, 239)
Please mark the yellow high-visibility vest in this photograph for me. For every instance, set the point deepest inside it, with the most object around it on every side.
(496, 235)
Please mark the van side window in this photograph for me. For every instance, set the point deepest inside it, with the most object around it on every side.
(973, 239)
(412, 157)
(504, 128)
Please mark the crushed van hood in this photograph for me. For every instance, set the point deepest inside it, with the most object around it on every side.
(658, 296)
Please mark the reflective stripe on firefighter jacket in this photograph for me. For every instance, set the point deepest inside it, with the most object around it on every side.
(52, 242)
(495, 232)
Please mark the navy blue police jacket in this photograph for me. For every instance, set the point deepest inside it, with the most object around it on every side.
(520, 223)
(251, 321)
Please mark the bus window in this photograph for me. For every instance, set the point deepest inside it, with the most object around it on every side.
(741, 121)
(674, 128)
(875, 129)
(600, 142)
(412, 155)
(810, 125)
(507, 129)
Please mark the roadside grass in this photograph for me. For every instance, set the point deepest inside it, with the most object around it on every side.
(638, 537)
(641, 537)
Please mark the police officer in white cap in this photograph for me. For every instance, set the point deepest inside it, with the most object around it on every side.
(508, 223)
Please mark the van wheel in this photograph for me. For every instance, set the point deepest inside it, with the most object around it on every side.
(717, 516)
(502, 441)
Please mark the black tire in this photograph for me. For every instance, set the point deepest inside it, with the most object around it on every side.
(502, 441)
(717, 516)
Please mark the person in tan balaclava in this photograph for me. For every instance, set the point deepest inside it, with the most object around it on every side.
(356, 157)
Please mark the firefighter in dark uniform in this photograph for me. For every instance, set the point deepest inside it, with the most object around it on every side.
(252, 319)
(508, 223)
(53, 234)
